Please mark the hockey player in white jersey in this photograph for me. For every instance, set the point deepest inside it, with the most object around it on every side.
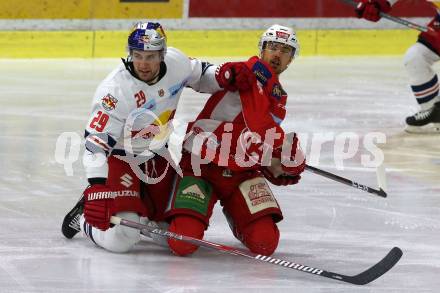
(418, 61)
(126, 158)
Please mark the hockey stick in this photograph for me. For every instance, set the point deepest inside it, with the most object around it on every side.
(393, 18)
(345, 181)
(363, 278)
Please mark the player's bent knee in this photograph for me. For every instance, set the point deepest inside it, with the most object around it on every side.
(117, 239)
(418, 57)
(188, 226)
(261, 236)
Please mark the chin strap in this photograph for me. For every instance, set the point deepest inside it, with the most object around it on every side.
(154, 79)
(129, 66)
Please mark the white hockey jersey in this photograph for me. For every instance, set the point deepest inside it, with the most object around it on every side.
(130, 116)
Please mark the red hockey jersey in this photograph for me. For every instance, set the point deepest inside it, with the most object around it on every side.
(235, 129)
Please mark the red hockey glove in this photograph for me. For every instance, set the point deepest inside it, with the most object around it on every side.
(233, 76)
(371, 9)
(285, 169)
(98, 205)
(101, 202)
(280, 180)
(295, 162)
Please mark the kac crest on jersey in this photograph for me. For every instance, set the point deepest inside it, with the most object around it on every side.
(109, 102)
(277, 92)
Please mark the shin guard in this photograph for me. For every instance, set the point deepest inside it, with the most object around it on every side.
(188, 226)
(261, 236)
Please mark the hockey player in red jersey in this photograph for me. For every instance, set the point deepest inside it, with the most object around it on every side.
(233, 146)
(418, 61)
(126, 137)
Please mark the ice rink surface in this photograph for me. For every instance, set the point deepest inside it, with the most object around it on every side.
(326, 224)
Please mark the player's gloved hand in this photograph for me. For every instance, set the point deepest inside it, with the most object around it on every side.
(99, 205)
(371, 9)
(286, 167)
(233, 76)
(280, 179)
(295, 162)
(432, 36)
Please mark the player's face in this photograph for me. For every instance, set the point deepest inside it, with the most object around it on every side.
(277, 55)
(146, 64)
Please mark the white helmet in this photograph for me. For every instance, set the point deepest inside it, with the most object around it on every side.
(280, 34)
(147, 36)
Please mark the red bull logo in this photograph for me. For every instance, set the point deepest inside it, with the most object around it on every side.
(144, 39)
(157, 128)
(147, 132)
(109, 102)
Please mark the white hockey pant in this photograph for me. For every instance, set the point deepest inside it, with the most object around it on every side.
(117, 238)
(418, 63)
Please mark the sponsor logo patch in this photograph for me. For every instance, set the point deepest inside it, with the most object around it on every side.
(277, 92)
(126, 180)
(261, 72)
(258, 195)
(282, 35)
(146, 133)
(111, 194)
(109, 102)
(175, 89)
(194, 194)
(194, 191)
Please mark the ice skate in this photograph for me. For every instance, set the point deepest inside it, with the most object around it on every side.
(71, 222)
(427, 121)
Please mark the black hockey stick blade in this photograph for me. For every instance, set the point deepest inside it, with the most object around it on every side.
(372, 273)
(382, 193)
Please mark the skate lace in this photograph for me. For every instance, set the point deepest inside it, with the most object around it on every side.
(422, 114)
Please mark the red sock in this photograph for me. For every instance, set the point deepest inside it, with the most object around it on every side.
(261, 236)
(188, 226)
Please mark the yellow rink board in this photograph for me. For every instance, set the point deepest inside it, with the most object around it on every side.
(85, 44)
(89, 9)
